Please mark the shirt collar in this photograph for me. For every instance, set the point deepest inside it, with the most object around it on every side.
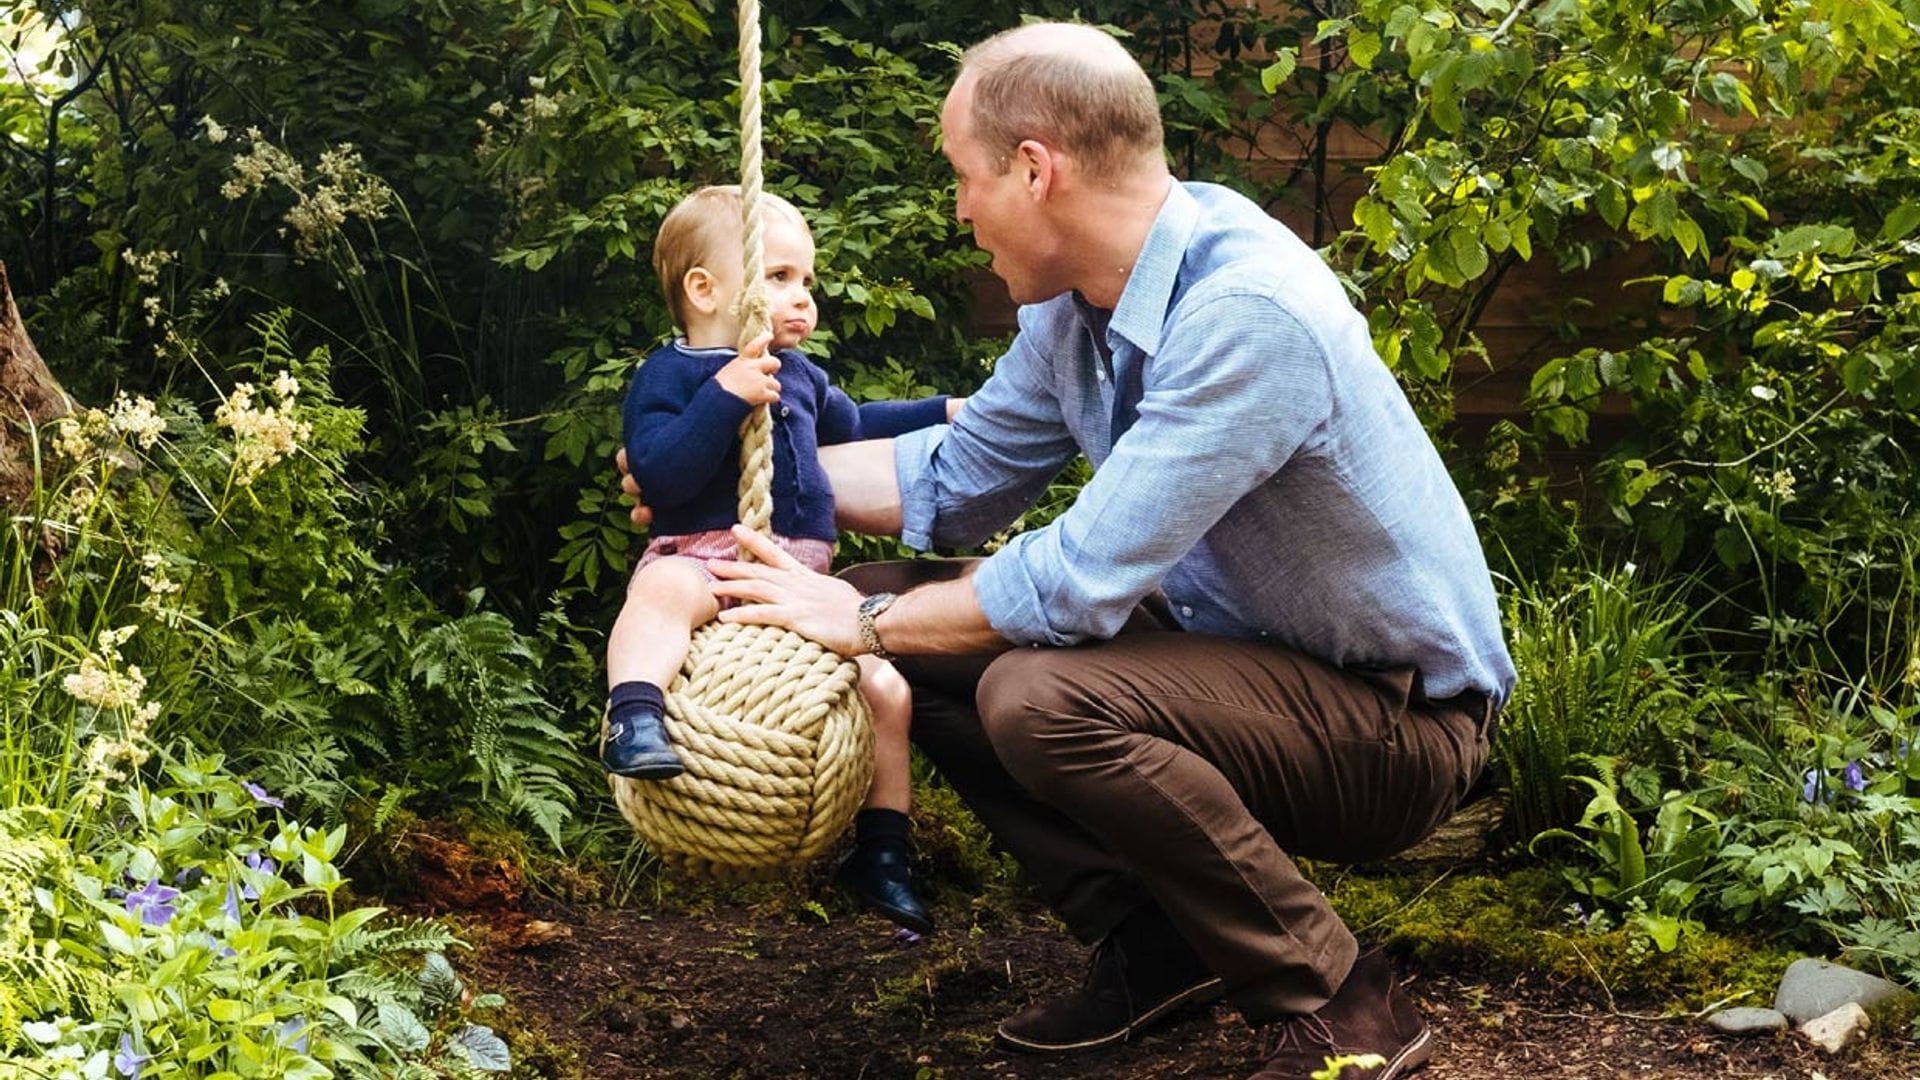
(1142, 312)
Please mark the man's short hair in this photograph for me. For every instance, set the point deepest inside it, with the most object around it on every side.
(705, 230)
(1067, 85)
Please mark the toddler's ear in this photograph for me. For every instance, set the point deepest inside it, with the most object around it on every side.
(702, 290)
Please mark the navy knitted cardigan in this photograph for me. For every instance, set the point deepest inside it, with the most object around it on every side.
(682, 438)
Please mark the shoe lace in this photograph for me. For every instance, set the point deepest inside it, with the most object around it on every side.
(1302, 1035)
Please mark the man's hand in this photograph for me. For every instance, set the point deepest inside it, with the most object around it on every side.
(778, 591)
(641, 514)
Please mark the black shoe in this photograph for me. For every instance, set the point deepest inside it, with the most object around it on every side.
(1136, 978)
(1368, 1015)
(636, 747)
(879, 877)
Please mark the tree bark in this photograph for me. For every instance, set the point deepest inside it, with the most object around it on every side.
(30, 399)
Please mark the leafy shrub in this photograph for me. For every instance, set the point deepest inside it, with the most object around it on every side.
(1599, 658)
(196, 936)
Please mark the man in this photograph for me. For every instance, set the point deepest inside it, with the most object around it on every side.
(1264, 628)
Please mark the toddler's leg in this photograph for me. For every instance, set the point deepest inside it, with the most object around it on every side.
(879, 871)
(665, 600)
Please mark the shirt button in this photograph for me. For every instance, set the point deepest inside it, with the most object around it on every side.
(1100, 373)
(1186, 612)
(786, 410)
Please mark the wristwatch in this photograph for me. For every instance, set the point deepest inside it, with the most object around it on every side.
(870, 609)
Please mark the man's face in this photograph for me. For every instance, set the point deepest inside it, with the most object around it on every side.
(999, 203)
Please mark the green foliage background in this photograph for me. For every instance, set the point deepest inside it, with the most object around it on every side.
(425, 609)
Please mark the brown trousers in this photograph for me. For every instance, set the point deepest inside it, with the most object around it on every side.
(1184, 770)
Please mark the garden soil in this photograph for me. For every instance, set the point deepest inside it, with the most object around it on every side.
(735, 992)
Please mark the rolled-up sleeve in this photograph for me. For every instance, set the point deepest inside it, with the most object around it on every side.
(961, 484)
(1237, 385)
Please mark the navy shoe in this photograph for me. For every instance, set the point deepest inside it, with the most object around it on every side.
(880, 878)
(636, 747)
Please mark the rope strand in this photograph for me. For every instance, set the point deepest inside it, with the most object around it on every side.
(756, 432)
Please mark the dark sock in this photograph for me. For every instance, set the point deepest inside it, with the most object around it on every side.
(882, 828)
(632, 700)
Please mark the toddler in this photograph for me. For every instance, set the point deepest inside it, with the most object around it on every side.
(682, 419)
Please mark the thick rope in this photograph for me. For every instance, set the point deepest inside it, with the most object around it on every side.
(777, 740)
(756, 433)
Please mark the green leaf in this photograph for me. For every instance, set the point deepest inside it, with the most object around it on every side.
(1469, 254)
(403, 1028)
(1611, 202)
(482, 1048)
(440, 987)
(1363, 46)
(1280, 70)
(1903, 219)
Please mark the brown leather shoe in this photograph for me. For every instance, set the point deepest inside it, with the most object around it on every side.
(1369, 1015)
(1141, 973)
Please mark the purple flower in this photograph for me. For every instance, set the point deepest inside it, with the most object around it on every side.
(294, 1034)
(153, 902)
(1854, 777)
(259, 864)
(1810, 786)
(126, 1062)
(231, 906)
(260, 795)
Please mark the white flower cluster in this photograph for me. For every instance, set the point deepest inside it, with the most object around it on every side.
(104, 683)
(1778, 484)
(266, 434)
(146, 266)
(215, 133)
(536, 107)
(162, 599)
(79, 436)
(101, 681)
(76, 437)
(155, 577)
(134, 417)
(341, 188)
(264, 162)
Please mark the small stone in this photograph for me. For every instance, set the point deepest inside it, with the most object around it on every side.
(1813, 988)
(619, 1020)
(1838, 1029)
(1747, 1021)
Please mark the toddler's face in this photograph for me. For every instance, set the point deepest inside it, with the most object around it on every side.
(789, 258)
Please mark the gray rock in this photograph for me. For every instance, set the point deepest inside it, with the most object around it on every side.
(1747, 1021)
(1814, 988)
(1838, 1029)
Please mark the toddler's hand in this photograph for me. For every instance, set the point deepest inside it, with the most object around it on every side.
(749, 376)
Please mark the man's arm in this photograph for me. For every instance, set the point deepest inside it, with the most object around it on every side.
(940, 618)
(866, 490)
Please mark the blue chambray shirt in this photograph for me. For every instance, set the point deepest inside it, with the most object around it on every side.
(1253, 459)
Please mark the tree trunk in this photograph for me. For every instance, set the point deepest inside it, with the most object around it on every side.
(30, 399)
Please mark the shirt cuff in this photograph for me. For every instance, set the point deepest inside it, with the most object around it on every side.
(912, 459)
(1009, 598)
